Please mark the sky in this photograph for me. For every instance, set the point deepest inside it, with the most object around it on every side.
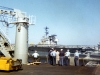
(75, 22)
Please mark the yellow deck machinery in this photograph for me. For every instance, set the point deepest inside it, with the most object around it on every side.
(9, 64)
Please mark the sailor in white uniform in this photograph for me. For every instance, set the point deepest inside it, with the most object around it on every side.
(35, 56)
(67, 54)
(76, 58)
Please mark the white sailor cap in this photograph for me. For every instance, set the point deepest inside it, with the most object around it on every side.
(61, 49)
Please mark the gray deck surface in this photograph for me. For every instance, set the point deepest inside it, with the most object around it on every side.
(46, 69)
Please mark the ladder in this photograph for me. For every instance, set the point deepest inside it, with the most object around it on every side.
(5, 46)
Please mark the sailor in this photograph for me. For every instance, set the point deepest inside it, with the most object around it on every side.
(53, 54)
(61, 54)
(67, 54)
(50, 57)
(35, 56)
(76, 58)
(57, 57)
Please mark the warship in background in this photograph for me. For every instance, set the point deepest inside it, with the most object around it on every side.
(48, 42)
(89, 54)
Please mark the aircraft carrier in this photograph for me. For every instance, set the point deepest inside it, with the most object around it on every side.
(50, 41)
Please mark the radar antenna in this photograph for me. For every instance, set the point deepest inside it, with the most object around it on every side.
(46, 31)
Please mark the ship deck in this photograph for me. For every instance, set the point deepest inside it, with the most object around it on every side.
(46, 69)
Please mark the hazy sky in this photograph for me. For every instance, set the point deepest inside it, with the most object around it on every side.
(75, 22)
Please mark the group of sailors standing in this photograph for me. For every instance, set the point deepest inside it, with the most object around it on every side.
(62, 58)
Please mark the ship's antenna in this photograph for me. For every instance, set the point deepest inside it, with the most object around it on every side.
(46, 31)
